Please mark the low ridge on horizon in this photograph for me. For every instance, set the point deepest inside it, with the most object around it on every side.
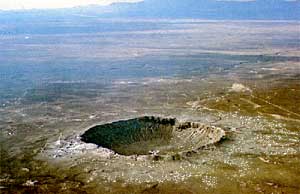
(200, 9)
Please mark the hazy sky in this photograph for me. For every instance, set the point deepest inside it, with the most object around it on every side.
(29, 4)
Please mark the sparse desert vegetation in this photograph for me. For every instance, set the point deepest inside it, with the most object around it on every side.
(240, 76)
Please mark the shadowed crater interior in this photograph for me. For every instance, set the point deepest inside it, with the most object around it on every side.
(134, 136)
(144, 135)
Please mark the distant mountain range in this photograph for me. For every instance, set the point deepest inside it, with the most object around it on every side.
(202, 9)
(211, 9)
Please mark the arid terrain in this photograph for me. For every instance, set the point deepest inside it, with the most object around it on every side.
(58, 79)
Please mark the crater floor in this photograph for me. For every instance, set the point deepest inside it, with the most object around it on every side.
(149, 134)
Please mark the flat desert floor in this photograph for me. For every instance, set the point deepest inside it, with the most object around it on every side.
(59, 78)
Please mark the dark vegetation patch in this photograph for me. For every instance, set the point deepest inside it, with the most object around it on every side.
(60, 91)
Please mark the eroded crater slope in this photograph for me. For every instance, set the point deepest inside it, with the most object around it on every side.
(148, 134)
